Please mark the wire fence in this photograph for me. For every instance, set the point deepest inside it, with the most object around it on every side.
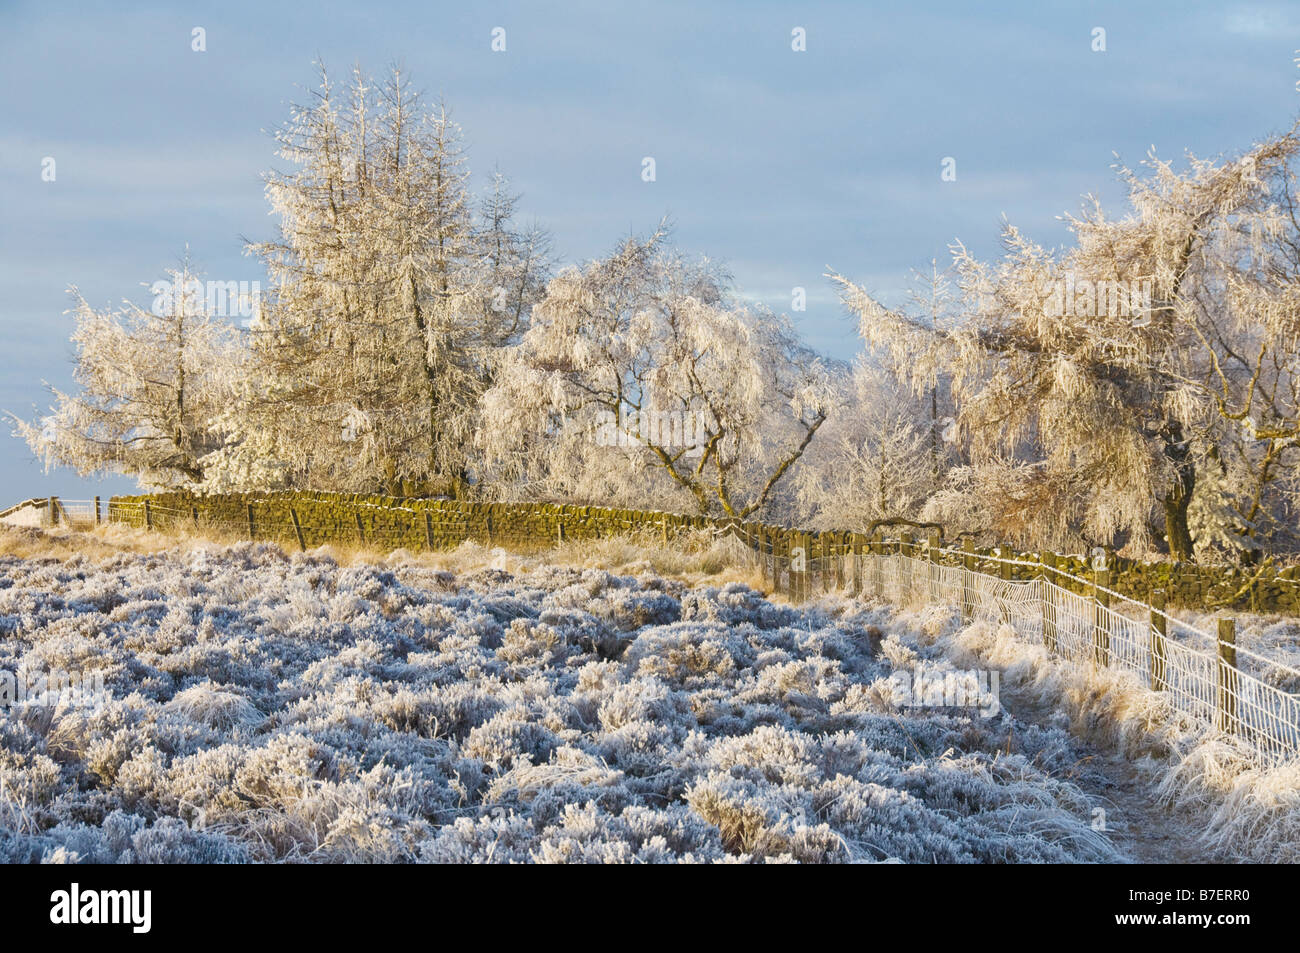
(1229, 689)
(1204, 676)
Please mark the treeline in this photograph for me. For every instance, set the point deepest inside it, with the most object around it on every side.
(1139, 389)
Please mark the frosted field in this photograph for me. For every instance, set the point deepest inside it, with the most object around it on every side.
(274, 708)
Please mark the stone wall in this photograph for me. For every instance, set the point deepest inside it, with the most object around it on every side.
(419, 524)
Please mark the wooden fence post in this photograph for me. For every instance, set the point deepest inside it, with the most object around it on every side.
(878, 563)
(428, 529)
(1048, 560)
(54, 513)
(779, 575)
(766, 555)
(803, 543)
(297, 530)
(488, 519)
(356, 514)
(798, 558)
(773, 549)
(908, 570)
(856, 539)
(760, 538)
(1101, 602)
(936, 543)
(824, 545)
(967, 567)
(839, 562)
(1005, 574)
(781, 564)
(148, 515)
(1229, 684)
(252, 527)
(1159, 629)
(97, 521)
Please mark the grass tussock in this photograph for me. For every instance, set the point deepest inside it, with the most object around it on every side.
(695, 558)
(286, 707)
(1234, 809)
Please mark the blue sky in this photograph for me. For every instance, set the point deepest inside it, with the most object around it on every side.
(780, 163)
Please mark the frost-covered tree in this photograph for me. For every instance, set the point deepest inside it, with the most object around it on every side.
(152, 384)
(639, 381)
(516, 266)
(874, 458)
(1117, 366)
(888, 444)
(388, 297)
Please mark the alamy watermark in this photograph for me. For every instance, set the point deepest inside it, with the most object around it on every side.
(133, 908)
(1072, 296)
(54, 688)
(952, 689)
(685, 429)
(224, 299)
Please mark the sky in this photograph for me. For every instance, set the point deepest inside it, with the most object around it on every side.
(782, 163)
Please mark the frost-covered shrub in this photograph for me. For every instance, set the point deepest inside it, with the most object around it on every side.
(271, 708)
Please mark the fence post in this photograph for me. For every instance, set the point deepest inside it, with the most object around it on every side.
(54, 514)
(488, 519)
(1101, 602)
(806, 577)
(773, 550)
(780, 562)
(356, 515)
(148, 515)
(97, 521)
(878, 563)
(855, 544)
(788, 544)
(907, 569)
(1048, 560)
(252, 528)
(1159, 629)
(840, 579)
(804, 542)
(936, 543)
(967, 568)
(297, 530)
(1004, 573)
(1228, 681)
(770, 547)
(824, 541)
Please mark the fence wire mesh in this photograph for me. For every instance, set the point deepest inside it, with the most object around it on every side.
(1226, 696)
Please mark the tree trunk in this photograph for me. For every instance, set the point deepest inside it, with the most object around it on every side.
(1179, 496)
(1177, 532)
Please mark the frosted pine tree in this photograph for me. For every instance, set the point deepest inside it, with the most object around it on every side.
(380, 332)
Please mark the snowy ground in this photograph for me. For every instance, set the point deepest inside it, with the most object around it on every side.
(265, 707)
